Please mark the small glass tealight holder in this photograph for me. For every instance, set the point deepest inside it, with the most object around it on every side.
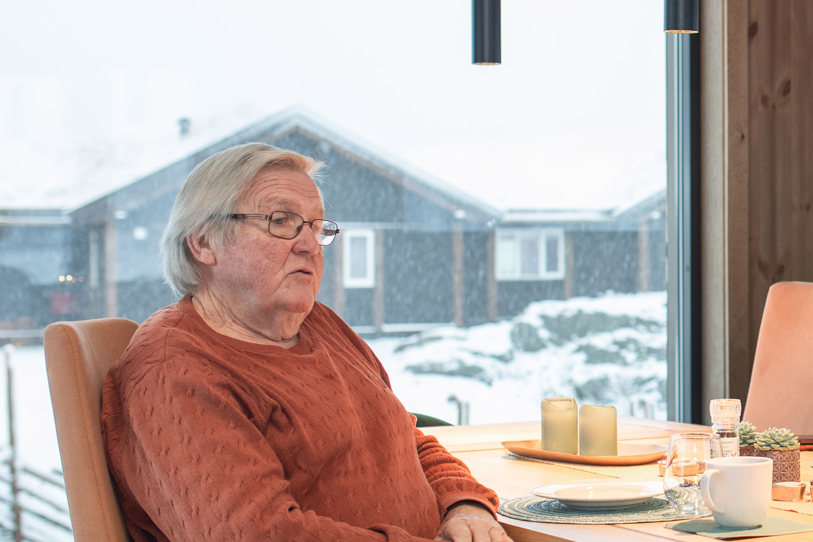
(788, 491)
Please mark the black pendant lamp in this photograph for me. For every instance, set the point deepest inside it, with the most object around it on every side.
(485, 21)
(681, 16)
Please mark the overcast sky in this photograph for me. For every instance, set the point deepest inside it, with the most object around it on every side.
(91, 90)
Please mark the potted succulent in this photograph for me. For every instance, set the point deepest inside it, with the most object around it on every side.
(748, 437)
(781, 445)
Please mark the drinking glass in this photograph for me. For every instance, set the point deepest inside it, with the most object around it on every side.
(685, 463)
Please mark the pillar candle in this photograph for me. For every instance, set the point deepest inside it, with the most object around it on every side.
(560, 425)
(598, 430)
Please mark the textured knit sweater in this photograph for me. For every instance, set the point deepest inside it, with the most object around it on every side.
(210, 438)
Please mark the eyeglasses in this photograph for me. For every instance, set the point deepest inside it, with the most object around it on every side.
(287, 225)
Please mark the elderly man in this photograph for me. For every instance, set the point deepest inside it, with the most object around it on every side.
(249, 411)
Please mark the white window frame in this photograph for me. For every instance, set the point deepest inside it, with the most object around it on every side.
(514, 270)
(368, 280)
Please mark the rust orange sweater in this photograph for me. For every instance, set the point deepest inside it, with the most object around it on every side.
(212, 438)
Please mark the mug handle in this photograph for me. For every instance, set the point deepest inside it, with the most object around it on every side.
(705, 483)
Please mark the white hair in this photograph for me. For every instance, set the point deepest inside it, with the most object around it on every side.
(209, 195)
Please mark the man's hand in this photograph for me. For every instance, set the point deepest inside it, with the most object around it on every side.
(471, 523)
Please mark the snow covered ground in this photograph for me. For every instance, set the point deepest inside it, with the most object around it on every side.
(37, 457)
(609, 350)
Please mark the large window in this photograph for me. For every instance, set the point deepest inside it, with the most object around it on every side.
(519, 210)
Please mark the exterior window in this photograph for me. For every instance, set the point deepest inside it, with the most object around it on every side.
(530, 254)
(452, 260)
(359, 259)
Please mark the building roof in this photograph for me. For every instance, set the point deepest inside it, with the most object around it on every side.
(298, 119)
(33, 217)
(125, 187)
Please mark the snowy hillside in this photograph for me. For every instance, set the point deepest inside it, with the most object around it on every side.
(609, 350)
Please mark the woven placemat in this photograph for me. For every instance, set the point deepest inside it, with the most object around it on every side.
(533, 508)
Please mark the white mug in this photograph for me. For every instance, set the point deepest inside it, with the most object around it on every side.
(737, 490)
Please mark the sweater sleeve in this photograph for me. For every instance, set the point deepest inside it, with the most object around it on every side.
(191, 462)
(449, 477)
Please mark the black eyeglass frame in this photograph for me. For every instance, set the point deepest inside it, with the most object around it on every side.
(320, 237)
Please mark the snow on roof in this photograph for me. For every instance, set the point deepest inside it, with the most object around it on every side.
(48, 177)
(305, 119)
(71, 179)
(38, 175)
(554, 215)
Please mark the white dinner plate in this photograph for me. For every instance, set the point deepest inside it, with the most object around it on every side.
(601, 494)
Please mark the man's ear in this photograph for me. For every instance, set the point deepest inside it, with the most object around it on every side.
(201, 249)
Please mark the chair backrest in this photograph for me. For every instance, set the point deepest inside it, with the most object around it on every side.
(77, 357)
(779, 394)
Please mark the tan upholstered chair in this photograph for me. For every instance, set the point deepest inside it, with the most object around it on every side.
(780, 393)
(77, 356)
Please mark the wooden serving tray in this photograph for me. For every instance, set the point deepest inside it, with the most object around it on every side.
(629, 453)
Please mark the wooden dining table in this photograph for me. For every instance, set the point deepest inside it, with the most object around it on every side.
(511, 476)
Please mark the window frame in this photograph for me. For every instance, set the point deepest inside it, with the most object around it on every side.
(348, 237)
(684, 378)
(542, 234)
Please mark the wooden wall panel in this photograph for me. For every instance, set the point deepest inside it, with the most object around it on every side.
(780, 118)
(733, 243)
(769, 72)
(761, 230)
(801, 133)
